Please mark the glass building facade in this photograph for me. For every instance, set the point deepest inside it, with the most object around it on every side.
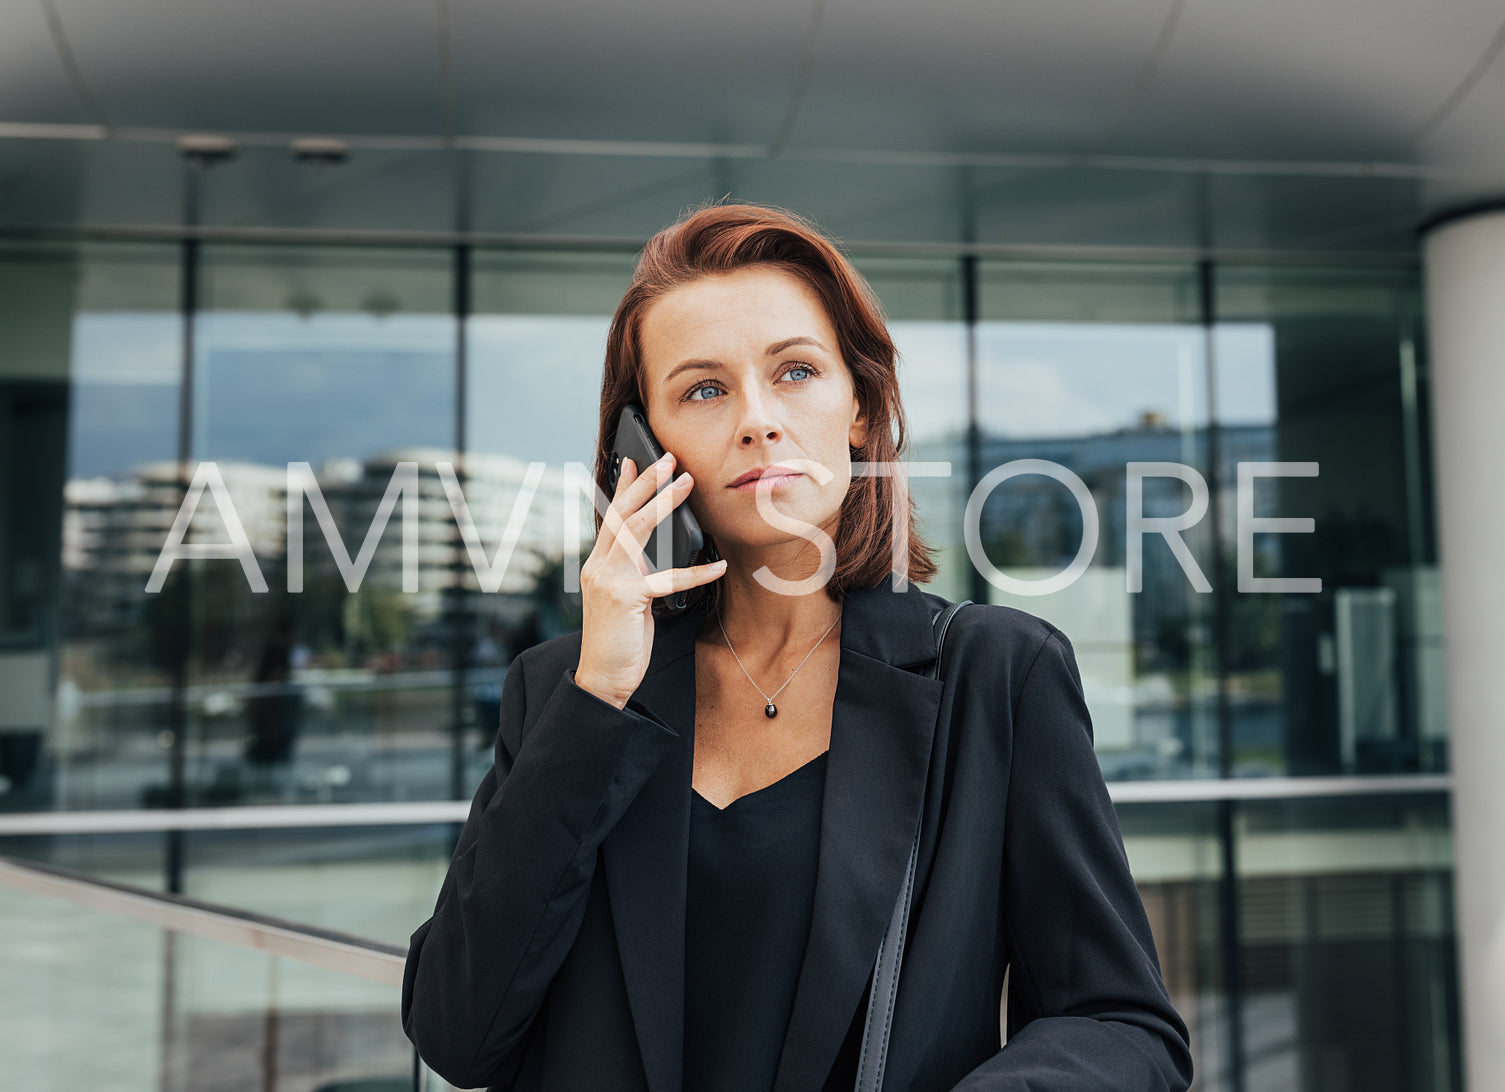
(1277, 751)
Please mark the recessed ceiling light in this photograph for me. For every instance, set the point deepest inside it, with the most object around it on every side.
(207, 148)
(320, 150)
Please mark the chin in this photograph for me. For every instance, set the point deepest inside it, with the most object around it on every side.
(754, 532)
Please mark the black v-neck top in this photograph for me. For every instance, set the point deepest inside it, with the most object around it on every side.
(749, 898)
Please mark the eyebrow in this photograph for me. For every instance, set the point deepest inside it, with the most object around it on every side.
(774, 349)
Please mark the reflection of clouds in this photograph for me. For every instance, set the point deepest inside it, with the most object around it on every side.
(348, 331)
(1033, 398)
(535, 385)
(1073, 379)
(535, 382)
(1244, 353)
(300, 403)
(932, 377)
(1076, 379)
(127, 347)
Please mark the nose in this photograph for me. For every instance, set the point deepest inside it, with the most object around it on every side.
(759, 425)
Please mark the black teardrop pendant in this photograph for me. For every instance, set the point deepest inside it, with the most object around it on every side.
(771, 711)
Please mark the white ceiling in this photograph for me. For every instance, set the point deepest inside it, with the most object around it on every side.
(1312, 125)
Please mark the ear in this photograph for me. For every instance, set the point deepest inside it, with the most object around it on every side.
(857, 434)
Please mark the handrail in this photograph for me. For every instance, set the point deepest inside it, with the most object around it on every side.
(359, 680)
(415, 813)
(1274, 788)
(247, 817)
(335, 951)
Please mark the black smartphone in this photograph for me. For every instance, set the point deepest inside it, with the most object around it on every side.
(685, 543)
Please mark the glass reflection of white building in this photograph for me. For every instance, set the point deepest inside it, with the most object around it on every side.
(114, 531)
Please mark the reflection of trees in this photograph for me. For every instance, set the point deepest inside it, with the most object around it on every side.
(228, 625)
(338, 624)
(555, 611)
(1008, 549)
(164, 640)
(375, 620)
(1253, 632)
(211, 632)
(1171, 649)
(1253, 620)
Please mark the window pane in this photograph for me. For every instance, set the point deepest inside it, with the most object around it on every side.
(1318, 366)
(1092, 369)
(923, 302)
(1347, 944)
(1175, 852)
(89, 393)
(342, 360)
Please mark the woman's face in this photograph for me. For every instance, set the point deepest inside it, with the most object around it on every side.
(742, 371)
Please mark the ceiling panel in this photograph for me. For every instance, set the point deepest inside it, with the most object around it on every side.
(34, 85)
(863, 201)
(1067, 207)
(383, 191)
(630, 197)
(654, 70)
(1473, 132)
(974, 75)
(1291, 79)
(1348, 215)
(1343, 80)
(347, 66)
(125, 184)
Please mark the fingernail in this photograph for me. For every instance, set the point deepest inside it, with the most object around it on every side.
(665, 458)
(682, 478)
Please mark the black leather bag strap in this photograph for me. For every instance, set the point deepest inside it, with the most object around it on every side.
(880, 1006)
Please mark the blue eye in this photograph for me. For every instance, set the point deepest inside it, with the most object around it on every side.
(800, 368)
(694, 393)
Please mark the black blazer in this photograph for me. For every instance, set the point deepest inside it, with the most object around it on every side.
(555, 956)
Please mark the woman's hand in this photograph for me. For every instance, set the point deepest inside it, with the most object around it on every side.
(617, 585)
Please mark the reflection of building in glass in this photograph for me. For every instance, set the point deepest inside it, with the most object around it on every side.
(115, 529)
(1137, 651)
(491, 484)
(1014, 512)
(1034, 521)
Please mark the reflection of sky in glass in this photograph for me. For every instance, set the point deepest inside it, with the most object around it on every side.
(1243, 356)
(274, 388)
(535, 383)
(534, 386)
(124, 404)
(1078, 379)
(932, 378)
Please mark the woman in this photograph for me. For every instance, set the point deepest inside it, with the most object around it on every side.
(677, 874)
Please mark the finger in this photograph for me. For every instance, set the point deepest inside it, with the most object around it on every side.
(641, 492)
(641, 523)
(643, 486)
(625, 473)
(677, 580)
(616, 510)
(611, 521)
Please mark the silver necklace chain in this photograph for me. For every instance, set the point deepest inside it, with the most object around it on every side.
(771, 710)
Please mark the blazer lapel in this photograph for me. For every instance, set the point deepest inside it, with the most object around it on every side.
(883, 724)
(882, 728)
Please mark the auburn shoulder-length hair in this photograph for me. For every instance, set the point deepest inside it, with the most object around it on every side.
(720, 239)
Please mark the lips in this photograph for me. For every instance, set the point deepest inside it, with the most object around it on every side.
(775, 473)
